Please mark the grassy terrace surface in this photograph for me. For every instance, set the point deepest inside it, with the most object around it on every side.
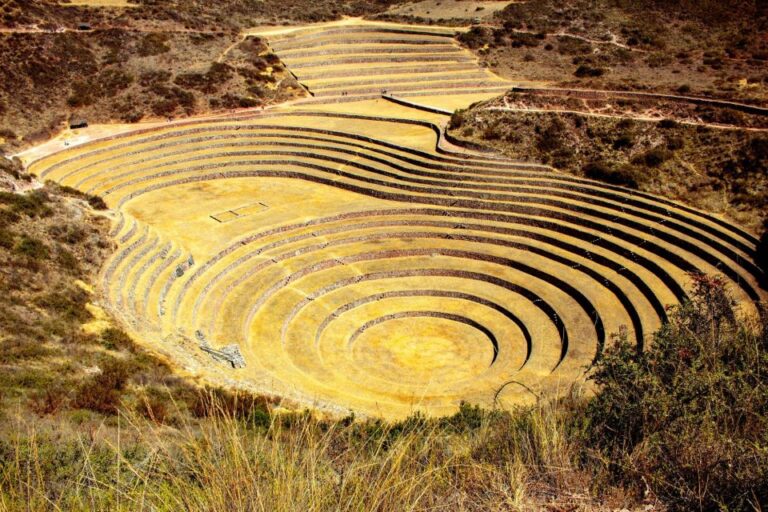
(356, 260)
(360, 59)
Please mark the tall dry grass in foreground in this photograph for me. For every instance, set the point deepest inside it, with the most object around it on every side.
(471, 461)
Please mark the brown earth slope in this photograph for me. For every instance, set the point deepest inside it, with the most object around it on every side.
(704, 48)
(117, 75)
(153, 59)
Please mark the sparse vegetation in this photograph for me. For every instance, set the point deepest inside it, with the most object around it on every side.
(714, 169)
(604, 45)
(116, 75)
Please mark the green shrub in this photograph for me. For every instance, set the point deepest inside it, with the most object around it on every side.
(31, 248)
(67, 261)
(112, 81)
(658, 59)
(207, 82)
(668, 123)
(12, 167)
(50, 399)
(587, 71)
(116, 339)
(81, 95)
(67, 233)
(493, 131)
(97, 203)
(102, 392)
(468, 418)
(7, 239)
(476, 37)
(215, 401)
(68, 304)
(600, 171)
(153, 43)
(573, 46)
(623, 141)
(457, 119)
(653, 157)
(154, 77)
(234, 101)
(154, 406)
(18, 348)
(522, 39)
(689, 416)
(33, 204)
(551, 138)
(675, 143)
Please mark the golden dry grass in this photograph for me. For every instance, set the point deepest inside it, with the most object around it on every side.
(299, 463)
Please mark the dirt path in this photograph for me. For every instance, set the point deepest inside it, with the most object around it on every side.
(617, 116)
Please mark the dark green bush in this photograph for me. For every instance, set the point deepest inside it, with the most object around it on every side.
(67, 261)
(67, 233)
(600, 171)
(12, 167)
(623, 141)
(7, 239)
(476, 37)
(112, 81)
(653, 157)
(493, 132)
(587, 71)
(552, 137)
(68, 304)
(689, 416)
(153, 43)
(81, 95)
(17, 348)
(521, 39)
(251, 409)
(234, 101)
(668, 123)
(31, 248)
(154, 77)
(207, 82)
(116, 339)
(97, 203)
(33, 204)
(675, 143)
(457, 119)
(102, 392)
(468, 418)
(573, 46)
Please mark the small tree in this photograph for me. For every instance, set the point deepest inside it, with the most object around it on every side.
(689, 417)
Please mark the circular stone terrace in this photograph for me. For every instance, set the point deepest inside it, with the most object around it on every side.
(338, 251)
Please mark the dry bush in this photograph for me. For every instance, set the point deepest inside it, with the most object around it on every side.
(689, 417)
(102, 392)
